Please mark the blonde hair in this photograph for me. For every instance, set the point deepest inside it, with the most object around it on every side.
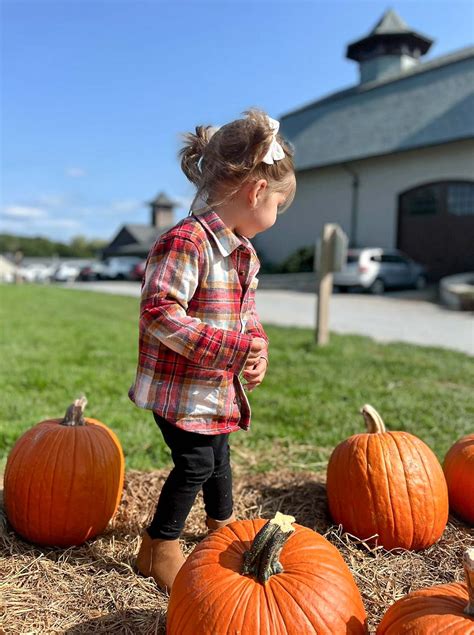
(220, 161)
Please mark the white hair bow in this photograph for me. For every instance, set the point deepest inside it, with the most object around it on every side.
(275, 151)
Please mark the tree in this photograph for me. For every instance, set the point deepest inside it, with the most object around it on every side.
(79, 246)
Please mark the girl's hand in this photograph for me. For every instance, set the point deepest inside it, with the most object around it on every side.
(257, 348)
(255, 375)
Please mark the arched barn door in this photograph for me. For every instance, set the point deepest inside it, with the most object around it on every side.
(436, 226)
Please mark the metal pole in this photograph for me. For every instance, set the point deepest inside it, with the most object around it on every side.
(354, 204)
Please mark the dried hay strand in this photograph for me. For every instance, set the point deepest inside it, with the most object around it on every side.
(94, 589)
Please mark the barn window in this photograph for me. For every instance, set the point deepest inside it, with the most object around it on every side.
(424, 200)
(448, 197)
(460, 199)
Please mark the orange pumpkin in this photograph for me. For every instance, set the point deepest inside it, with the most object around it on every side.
(267, 578)
(64, 479)
(387, 487)
(459, 471)
(444, 608)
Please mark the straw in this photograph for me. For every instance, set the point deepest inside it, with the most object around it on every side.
(94, 588)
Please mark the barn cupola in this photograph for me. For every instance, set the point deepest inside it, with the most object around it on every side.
(162, 215)
(389, 49)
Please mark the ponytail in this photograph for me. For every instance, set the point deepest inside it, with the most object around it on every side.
(219, 161)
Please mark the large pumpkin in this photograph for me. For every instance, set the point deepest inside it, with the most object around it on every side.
(459, 471)
(64, 479)
(444, 608)
(234, 583)
(387, 487)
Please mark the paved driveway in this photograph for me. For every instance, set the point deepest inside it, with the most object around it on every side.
(389, 318)
(385, 319)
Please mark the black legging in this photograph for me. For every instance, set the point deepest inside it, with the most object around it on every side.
(200, 460)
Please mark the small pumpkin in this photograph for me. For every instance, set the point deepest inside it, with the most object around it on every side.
(459, 471)
(387, 487)
(443, 608)
(64, 479)
(265, 577)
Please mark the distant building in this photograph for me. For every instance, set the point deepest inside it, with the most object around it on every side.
(390, 159)
(8, 269)
(137, 240)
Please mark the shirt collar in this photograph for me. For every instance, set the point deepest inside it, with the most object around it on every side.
(224, 237)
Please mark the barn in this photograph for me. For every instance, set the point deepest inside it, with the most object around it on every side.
(390, 159)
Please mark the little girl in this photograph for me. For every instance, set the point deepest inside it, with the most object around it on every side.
(199, 330)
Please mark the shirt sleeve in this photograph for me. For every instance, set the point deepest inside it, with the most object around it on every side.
(254, 327)
(171, 278)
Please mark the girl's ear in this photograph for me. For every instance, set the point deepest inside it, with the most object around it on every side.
(257, 191)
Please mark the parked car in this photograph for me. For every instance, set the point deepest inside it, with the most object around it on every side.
(138, 271)
(376, 269)
(93, 271)
(119, 268)
(36, 272)
(66, 272)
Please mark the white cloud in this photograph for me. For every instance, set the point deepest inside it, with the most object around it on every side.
(54, 229)
(52, 201)
(124, 206)
(124, 210)
(86, 210)
(75, 173)
(66, 223)
(24, 212)
(61, 215)
(28, 220)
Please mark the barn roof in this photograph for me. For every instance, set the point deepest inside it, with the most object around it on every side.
(429, 104)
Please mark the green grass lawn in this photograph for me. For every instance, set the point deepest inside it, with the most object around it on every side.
(59, 343)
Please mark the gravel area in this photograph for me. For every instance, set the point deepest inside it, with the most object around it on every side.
(409, 316)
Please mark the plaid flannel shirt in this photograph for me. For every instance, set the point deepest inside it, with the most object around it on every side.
(197, 321)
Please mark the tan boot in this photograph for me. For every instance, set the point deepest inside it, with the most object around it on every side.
(160, 560)
(212, 524)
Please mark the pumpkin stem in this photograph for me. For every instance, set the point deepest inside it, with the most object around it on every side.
(373, 420)
(469, 570)
(262, 559)
(75, 413)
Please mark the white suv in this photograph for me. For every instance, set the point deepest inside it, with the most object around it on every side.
(376, 269)
(118, 268)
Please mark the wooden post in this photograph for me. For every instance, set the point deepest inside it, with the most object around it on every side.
(324, 287)
(18, 258)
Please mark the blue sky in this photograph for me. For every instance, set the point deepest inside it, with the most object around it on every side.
(97, 92)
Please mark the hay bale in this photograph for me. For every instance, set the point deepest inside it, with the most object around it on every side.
(94, 589)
